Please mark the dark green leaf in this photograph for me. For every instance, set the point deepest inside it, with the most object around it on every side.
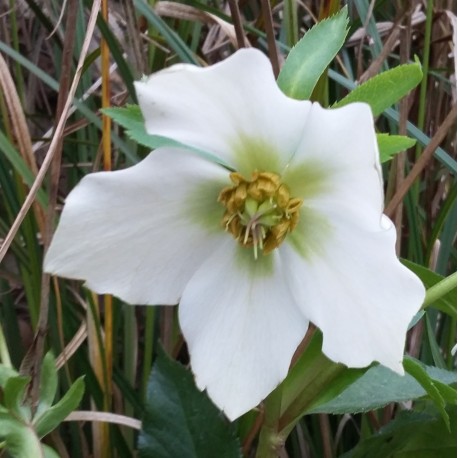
(390, 145)
(378, 387)
(416, 370)
(410, 435)
(310, 57)
(385, 89)
(180, 421)
(52, 417)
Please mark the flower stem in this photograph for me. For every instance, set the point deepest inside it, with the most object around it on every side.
(440, 289)
(269, 438)
(4, 354)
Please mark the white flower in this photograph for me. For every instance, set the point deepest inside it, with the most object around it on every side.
(293, 233)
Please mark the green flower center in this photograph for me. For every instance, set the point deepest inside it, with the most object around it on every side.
(259, 212)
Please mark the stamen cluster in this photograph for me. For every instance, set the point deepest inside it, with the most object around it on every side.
(259, 212)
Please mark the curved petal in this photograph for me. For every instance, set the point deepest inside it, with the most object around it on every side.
(352, 286)
(233, 109)
(140, 233)
(336, 167)
(241, 325)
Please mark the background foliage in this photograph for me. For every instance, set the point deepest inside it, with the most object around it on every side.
(115, 345)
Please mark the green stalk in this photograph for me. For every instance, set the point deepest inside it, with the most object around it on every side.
(148, 349)
(4, 354)
(270, 440)
(290, 23)
(440, 289)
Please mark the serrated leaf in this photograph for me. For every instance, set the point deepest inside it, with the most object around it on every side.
(48, 383)
(447, 303)
(385, 89)
(20, 440)
(410, 435)
(311, 56)
(415, 369)
(52, 417)
(180, 421)
(378, 387)
(14, 394)
(130, 117)
(390, 145)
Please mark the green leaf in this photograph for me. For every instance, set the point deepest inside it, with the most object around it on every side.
(447, 303)
(49, 452)
(6, 372)
(410, 435)
(14, 396)
(20, 440)
(390, 145)
(48, 383)
(415, 369)
(385, 89)
(180, 421)
(51, 418)
(130, 117)
(312, 54)
(380, 386)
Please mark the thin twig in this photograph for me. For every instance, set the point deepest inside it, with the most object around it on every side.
(237, 20)
(422, 162)
(270, 32)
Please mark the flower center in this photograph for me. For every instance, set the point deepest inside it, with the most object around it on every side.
(259, 212)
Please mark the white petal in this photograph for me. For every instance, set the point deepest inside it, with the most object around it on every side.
(141, 232)
(241, 326)
(233, 109)
(352, 286)
(336, 171)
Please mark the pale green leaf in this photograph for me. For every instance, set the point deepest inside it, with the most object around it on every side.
(14, 396)
(20, 440)
(312, 54)
(48, 383)
(385, 89)
(52, 417)
(6, 372)
(390, 145)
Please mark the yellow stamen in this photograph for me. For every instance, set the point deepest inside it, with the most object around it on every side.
(260, 212)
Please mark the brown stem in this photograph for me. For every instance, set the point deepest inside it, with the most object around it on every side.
(237, 20)
(270, 32)
(422, 162)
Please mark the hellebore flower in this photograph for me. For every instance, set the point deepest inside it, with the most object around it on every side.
(289, 231)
